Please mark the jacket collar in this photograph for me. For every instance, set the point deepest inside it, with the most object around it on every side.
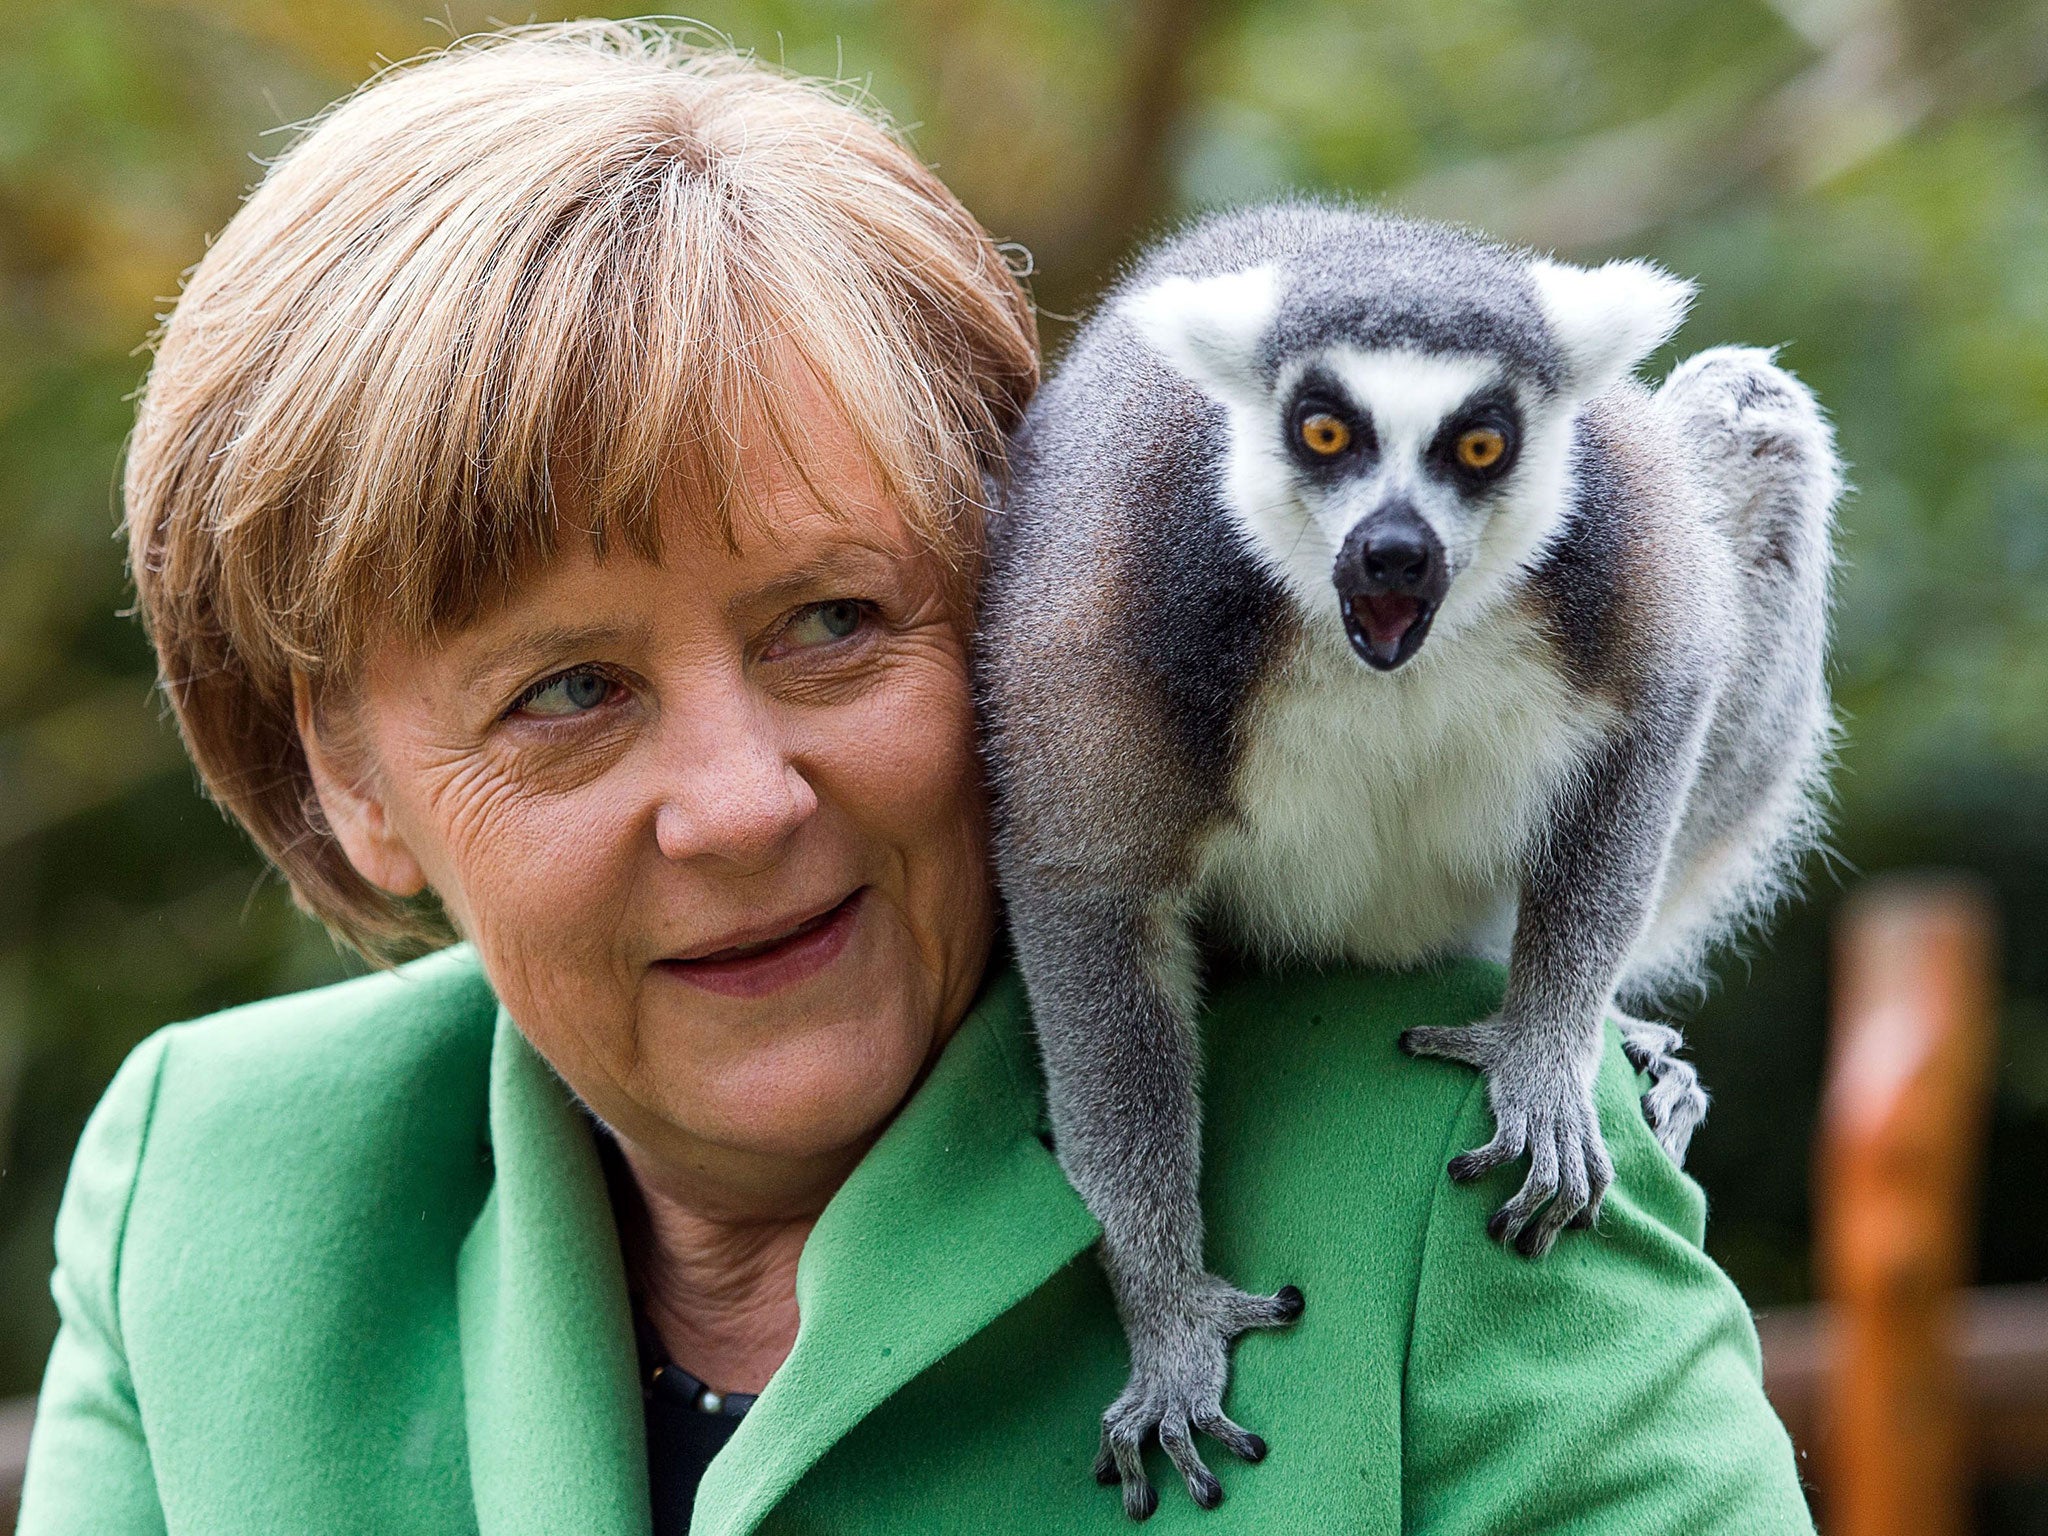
(957, 1214)
(550, 1388)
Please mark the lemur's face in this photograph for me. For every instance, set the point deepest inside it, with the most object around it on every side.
(1396, 489)
(1400, 475)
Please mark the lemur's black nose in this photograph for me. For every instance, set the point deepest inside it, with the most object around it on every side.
(1390, 576)
(1393, 551)
(1400, 558)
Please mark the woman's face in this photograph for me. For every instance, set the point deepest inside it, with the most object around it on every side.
(715, 825)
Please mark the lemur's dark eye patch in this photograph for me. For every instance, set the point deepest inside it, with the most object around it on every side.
(1477, 445)
(1323, 430)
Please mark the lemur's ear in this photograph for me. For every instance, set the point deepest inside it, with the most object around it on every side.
(1608, 319)
(1209, 327)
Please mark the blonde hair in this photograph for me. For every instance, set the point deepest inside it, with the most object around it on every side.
(552, 268)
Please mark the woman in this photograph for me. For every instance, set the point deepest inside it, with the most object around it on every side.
(555, 505)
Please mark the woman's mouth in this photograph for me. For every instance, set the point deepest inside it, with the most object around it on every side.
(766, 965)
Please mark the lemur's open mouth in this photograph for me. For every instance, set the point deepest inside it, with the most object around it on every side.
(1387, 628)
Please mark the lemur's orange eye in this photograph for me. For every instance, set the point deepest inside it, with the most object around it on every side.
(1481, 448)
(1324, 434)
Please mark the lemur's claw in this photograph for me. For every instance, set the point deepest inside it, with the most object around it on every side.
(1481, 1161)
(1177, 1439)
(1140, 1500)
(1178, 1372)
(1676, 1102)
(1240, 1441)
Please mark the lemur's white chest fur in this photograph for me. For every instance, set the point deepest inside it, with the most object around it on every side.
(1385, 818)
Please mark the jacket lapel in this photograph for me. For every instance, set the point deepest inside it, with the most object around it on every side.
(551, 1391)
(957, 1214)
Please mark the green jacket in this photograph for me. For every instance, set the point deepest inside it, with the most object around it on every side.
(344, 1262)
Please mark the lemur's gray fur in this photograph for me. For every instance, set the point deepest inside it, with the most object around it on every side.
(1208, 702)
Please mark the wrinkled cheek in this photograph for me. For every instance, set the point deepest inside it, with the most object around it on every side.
(541, 895)
(926, 796)
(925, 782)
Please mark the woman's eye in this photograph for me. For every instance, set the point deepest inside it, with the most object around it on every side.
(565, 694)
(824, 623)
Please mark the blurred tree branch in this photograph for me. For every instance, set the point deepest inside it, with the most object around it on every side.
(1078, 193)
(1862, 95)
(1130, 186)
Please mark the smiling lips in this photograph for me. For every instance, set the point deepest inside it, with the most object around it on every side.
(766, 965)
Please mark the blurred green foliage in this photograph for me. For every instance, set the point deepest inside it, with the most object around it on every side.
(1866, 182)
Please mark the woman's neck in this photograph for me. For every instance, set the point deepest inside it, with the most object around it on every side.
(717, 1280)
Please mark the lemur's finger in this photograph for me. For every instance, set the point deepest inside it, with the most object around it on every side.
(1238, 1440)
(1541, 1184)
(1574, 1194)
(1588, 1216)
(1123, 1441)
(1600, 1174)
(1675, 1106)
(1140, 1498)
(1599, 1166)
(1179, 1444)
(1645, 1043)
(1600, 1171)
(1275, 1311)
(1461, 1043)
(1540, 1235)
(1509, 1140)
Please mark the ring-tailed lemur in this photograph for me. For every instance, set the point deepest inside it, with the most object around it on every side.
(1350, 598)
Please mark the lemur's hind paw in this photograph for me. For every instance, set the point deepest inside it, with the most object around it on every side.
(1676, 1102)
(1179, 1367)
(1539, 1109)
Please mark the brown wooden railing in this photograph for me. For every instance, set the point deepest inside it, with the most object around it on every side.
(1904, 1388)
(1895, 1171)
(2001, 1374)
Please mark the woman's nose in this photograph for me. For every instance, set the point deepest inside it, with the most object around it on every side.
(731, 794)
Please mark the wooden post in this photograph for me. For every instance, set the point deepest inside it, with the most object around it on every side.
(1902, 1129)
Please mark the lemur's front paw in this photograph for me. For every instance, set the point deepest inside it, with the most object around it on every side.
(1542, 1106)
(1676, 1102)
(1179, 1366)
